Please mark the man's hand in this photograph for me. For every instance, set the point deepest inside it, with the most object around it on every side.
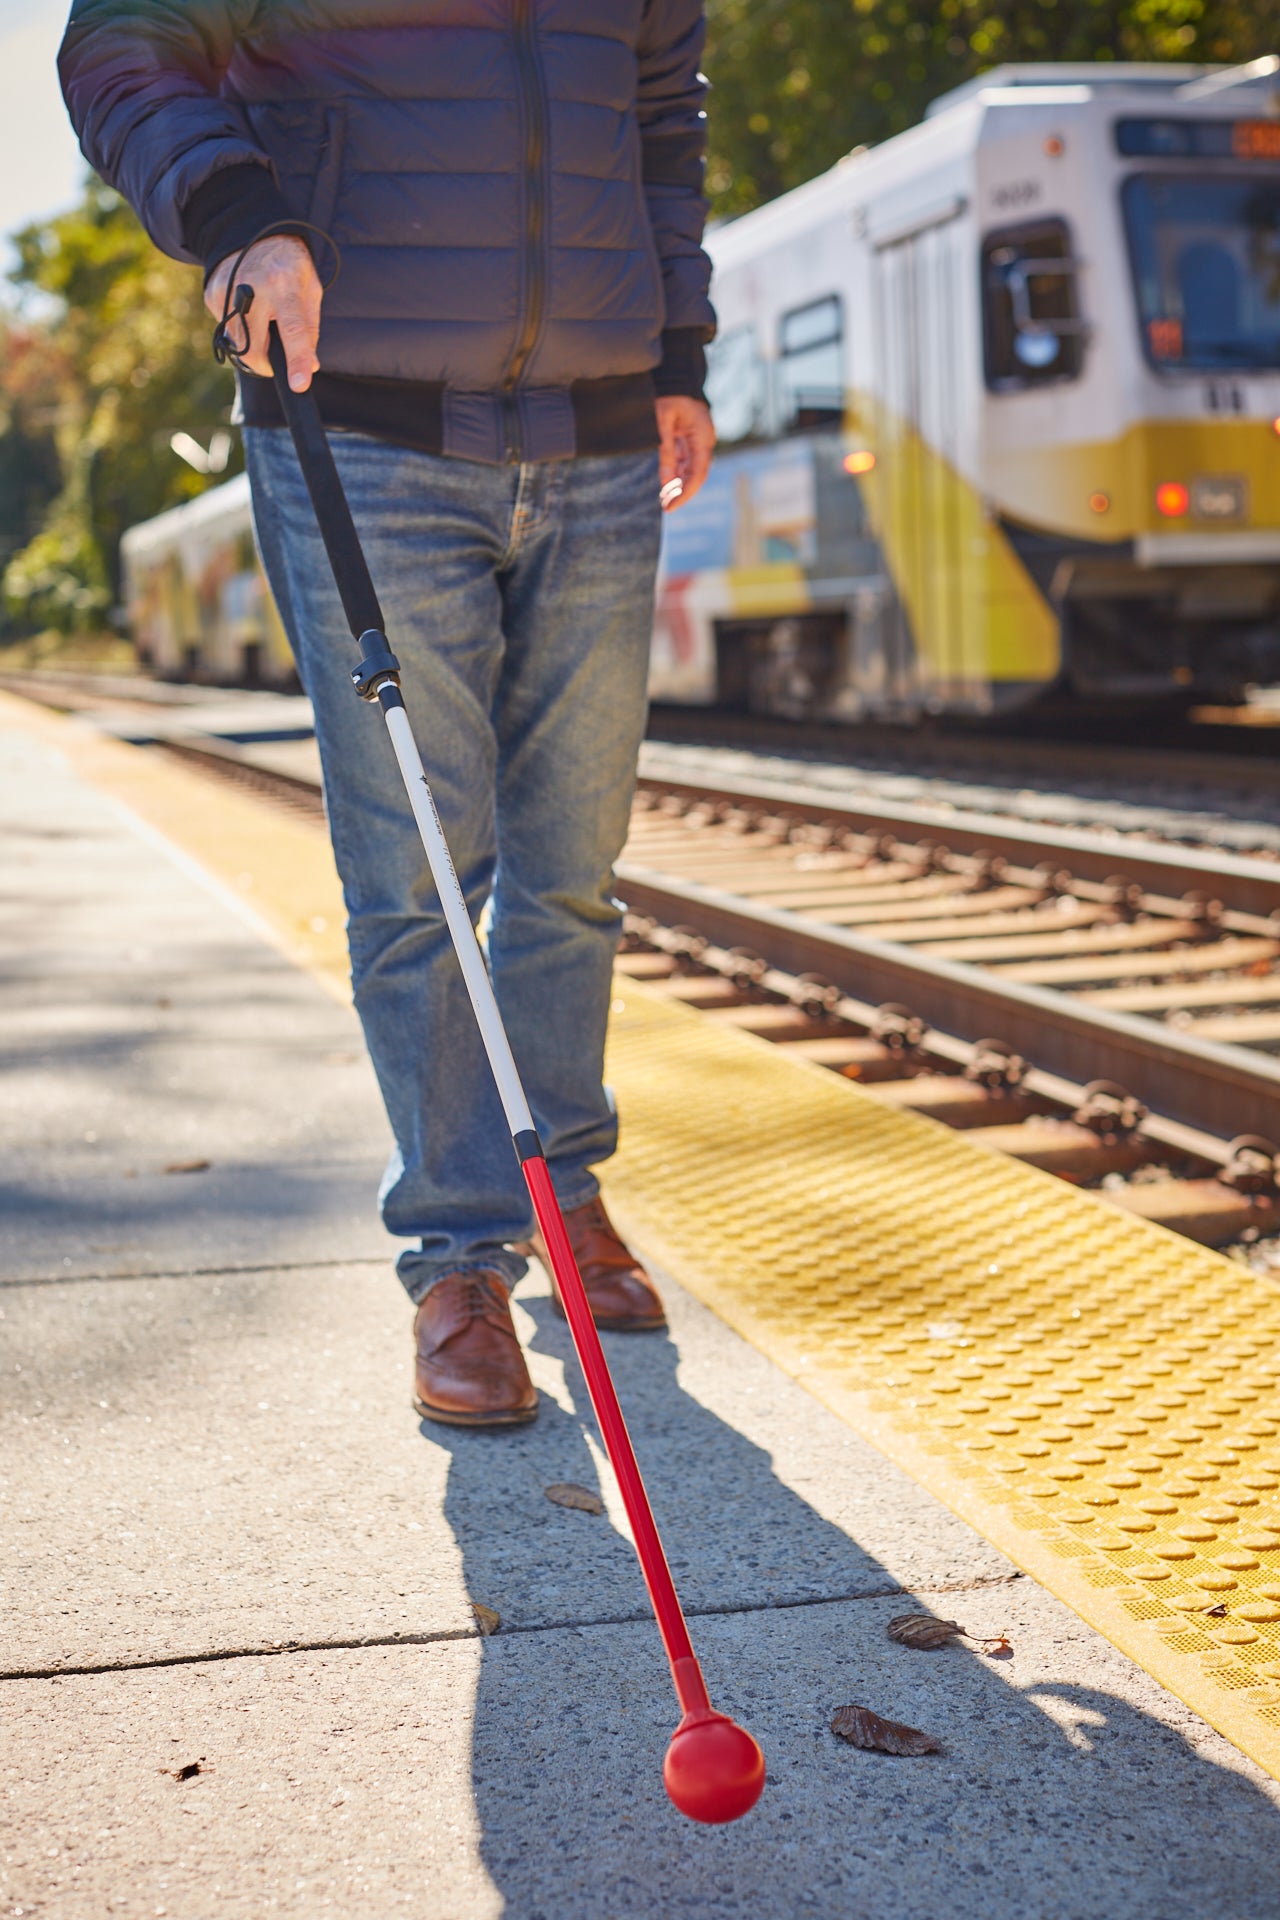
(687, 438)
(286, 289)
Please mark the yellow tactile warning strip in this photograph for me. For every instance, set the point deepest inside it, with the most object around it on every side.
(277, 866)
(1098, 1397)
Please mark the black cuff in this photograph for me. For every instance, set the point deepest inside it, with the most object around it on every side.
(683, 368)
(229, 210)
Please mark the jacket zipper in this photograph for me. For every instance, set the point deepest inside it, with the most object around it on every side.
(534, 147)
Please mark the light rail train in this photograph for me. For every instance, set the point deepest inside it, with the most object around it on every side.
(197, 601)
(999, 417)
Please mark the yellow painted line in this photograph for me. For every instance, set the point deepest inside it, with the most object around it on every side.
(279, 866)
(1098, 1397)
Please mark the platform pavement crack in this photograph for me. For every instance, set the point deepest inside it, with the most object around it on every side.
(193, 1273)
(273, 1649)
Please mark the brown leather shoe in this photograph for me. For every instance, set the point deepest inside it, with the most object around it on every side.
(470, 1371)
(620, 1293)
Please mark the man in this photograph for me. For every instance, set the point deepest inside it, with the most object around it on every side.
(511, 360)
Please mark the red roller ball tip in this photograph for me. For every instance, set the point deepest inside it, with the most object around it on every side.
(714, 1771)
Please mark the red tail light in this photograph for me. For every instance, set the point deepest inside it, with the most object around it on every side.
(1172, 499)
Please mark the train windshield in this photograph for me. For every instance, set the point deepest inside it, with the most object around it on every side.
(1206, 257)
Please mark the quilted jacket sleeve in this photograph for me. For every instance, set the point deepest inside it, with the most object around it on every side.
(671, 95)
(141, 79)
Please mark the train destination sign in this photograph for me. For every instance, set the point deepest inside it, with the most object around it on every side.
(1199, 139)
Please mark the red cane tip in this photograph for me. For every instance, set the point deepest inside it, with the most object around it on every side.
(714, 1771)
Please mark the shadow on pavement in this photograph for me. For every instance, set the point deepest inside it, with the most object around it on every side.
(1052, 1797)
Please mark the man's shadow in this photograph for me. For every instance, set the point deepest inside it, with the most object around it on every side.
(1057, 1800)
(735, 1536)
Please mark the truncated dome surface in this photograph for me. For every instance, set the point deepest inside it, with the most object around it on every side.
(1095, 1395)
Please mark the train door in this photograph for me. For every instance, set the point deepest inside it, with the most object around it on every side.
(919, 284)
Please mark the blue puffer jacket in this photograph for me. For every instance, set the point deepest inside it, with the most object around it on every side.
(515, 185)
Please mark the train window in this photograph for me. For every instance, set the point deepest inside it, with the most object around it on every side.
(1032, 330)
(1206, 259)
(736, 385)
(811, 367)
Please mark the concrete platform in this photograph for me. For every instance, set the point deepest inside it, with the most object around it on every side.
(227, 1540)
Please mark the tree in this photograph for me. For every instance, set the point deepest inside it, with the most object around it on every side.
(129, 338)
(798, 83)
(32, 381)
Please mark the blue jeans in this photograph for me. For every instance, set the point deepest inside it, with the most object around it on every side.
(519, 602)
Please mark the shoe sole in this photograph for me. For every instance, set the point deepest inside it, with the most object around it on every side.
(447, 1418)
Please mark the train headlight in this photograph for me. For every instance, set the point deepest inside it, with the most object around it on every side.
(1275, 425)
(860, 462)
(1099, 502)
(1172, 499)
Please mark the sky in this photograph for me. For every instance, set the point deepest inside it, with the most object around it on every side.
(40, 163)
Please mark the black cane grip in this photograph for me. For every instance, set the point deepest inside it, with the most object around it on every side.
(278, 358)
(333, 515)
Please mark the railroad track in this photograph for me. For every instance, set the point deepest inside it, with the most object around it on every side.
(1112, 1027)
(1103, 1008)
(1028, 1003)
(1172, 946)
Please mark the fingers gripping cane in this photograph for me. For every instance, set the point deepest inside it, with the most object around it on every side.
(714, 1771)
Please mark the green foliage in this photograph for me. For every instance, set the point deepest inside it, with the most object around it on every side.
(798, 83)
(128, 353)
(31, 380)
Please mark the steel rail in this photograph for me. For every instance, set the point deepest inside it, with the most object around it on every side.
(1250, 886)
(1203, 1084)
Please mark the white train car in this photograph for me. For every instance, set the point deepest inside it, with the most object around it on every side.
(197, 603)
(999, 412)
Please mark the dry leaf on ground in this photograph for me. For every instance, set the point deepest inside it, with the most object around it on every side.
(923, 1630)
(862, 1728)
(187, 1166)
(486, 1619)
(567, 1493)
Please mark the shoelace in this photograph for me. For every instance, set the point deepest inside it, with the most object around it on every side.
(480, 1301)
(477, 1299)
